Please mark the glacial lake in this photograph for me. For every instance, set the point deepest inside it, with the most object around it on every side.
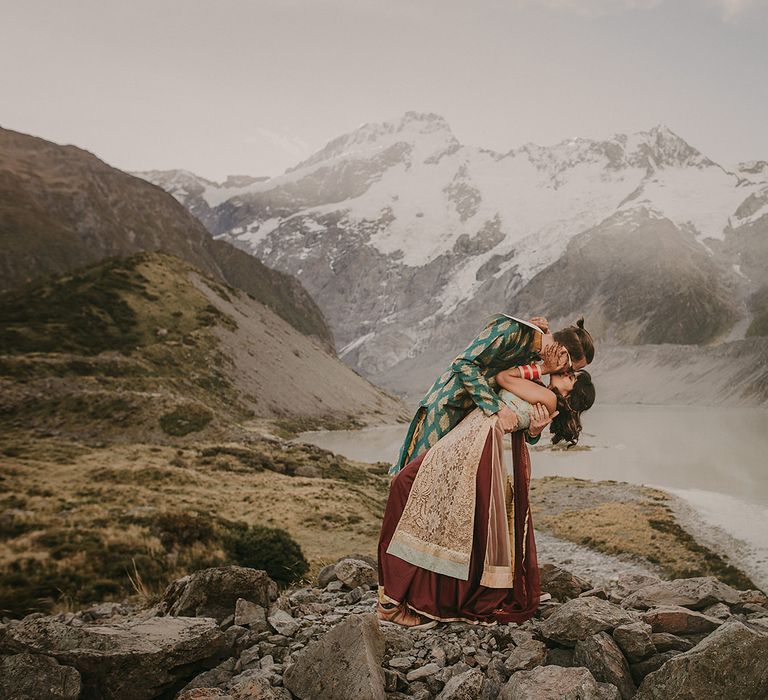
(716, 459)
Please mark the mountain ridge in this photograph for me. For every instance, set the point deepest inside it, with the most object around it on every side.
(62, 207)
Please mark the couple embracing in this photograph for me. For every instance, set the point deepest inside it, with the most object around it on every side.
(457, 539)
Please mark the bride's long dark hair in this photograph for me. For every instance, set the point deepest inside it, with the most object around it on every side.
(567, 423)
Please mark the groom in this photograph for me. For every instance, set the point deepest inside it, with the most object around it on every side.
(470, 382)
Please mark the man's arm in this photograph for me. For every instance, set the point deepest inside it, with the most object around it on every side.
(497, 337)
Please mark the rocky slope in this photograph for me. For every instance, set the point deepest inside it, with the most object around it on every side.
(149, 347)
(229, 633)
(407, 239)
(62, 208)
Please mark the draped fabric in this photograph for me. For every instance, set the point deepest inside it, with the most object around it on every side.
(457, 539)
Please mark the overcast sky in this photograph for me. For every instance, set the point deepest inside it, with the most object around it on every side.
(253, 86)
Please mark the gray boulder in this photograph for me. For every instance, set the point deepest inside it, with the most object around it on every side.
(695, 593)
(214, 592)
(251, 615)
(729, 663)
(527, 656)
(133, 660)
(356, 572)
(556, 683)
(562, 585)
(664, 641)
(602, 656)
(635, 640)
(463, 686)
(679, 620)
(628, 583)
(581, 617)
(344, 664)
(37, 677)
(641, 669)
(283, 623)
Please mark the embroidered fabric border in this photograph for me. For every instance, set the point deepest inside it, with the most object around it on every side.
(435, 530)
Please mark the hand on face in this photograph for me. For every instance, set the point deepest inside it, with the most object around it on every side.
(556, 358)
(541, 322)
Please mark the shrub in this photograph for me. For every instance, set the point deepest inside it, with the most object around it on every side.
(183, 529)
(269, 548)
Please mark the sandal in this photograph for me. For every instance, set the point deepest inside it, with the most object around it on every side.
(400, 615)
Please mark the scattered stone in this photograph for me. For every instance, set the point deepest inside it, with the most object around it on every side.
(695, 593)
(558, 656)
(553, 683)
(602, 656)
(751, 596)
(628, 583)
(463, 686)
(527, 656)
(397, 639)
(736, 651)
(344, 664)
(581, 617)
(641, 669)
(402, 663)
(39, 677)
(253, 684)
(204, 694)
(214, 592)
(326, 575)
(719, 610)
(283, 623)
(355, 595)
(250, 614)
(334, 586)
(679, 620)
(635, 640)
(215, 677)
(355, 572)
(562, 585)
(664, 641)
(422, 672)
(597, 592)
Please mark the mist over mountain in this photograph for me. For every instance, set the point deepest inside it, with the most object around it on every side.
(407, 239)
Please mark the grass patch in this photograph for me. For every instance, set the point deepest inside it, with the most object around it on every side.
(185, 419)
(288, 428)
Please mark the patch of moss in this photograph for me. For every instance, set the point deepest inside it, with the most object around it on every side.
(185, 419)
(83, 312)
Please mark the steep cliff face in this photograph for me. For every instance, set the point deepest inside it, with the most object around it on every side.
(62, 208)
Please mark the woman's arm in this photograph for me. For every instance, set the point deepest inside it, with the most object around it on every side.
(527, 390)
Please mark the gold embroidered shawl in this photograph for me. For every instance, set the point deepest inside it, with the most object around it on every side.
(436, 527)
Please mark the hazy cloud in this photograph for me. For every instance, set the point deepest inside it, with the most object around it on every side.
(729, 9)
(289, 143)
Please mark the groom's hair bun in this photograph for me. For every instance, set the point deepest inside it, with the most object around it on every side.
(577, 340)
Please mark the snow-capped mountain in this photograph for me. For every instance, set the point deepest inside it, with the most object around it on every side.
(407, 238)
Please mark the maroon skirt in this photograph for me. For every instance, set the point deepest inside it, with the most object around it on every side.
(444, 597)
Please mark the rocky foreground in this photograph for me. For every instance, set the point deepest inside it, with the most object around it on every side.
(229, 633)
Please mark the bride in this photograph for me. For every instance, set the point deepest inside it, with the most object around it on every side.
(457, 540)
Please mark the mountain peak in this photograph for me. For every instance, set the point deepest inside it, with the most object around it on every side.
(424, 133)
(663, 147)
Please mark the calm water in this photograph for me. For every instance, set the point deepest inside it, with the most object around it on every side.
(716, 459)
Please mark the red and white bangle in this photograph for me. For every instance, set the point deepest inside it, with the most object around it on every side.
(532, 372)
